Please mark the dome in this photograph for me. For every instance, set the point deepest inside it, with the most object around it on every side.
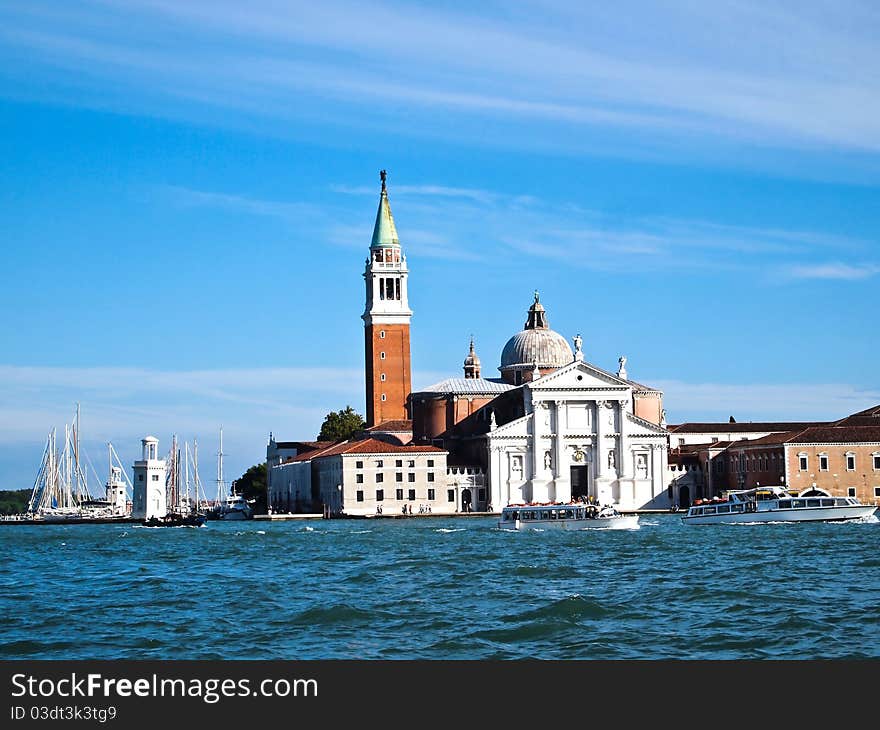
(535, 345)
(545, 347)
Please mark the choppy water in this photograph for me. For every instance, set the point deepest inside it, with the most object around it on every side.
(440, 588)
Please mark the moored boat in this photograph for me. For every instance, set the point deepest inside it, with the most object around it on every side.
(776, 504)
(565, 516)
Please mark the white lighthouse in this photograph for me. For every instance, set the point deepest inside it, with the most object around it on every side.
(115, 491)
(149, 482)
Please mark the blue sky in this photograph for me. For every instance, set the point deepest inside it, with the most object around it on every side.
(187, 192)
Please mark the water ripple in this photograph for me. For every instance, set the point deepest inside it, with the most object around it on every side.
(440, 589)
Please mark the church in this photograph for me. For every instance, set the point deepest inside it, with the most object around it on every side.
(552, 428)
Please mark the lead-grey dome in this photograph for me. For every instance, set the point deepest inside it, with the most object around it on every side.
(542, 346)
(536, 344)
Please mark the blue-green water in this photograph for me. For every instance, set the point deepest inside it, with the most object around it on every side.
(440, 588)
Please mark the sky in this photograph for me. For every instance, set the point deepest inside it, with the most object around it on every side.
(187, 194)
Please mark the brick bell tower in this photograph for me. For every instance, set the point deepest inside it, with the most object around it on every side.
(386, 321)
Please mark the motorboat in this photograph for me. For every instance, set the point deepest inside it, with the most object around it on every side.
(776, 504)
(565, 516)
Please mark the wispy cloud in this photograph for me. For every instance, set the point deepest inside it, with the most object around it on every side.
(798, 74)
(835, 271)
(445, 222)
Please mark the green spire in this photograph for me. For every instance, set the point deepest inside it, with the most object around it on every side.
(384, 232)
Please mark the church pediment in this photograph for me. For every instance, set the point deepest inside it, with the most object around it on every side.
(641, 427)
(515, 429)
(579, 375)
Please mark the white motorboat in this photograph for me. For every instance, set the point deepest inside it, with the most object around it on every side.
(776, 504)
(235, 507)
(561, 516)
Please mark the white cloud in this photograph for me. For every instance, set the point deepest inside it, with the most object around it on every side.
(790, 75)
(835, 271)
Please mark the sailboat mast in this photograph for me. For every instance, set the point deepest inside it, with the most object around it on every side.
(220, 486)
(186, 468)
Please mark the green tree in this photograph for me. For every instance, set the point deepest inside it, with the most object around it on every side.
(341, 425)
(14, 501)
(252, 485)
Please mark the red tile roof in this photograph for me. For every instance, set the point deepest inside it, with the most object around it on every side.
(303, 445)
(369, 446)
(392, 426)
(839, 435)
(868, 417)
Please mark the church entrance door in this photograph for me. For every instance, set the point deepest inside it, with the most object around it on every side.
(579, 481)
(466, 500)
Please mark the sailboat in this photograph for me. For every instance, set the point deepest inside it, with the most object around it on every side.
(61, 492)
(230, 506)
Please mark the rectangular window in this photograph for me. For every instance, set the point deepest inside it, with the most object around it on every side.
(359, 478)
(430, 495)
(155, 477)
(412, 463)
(876, 492)
(482, 495)
(876, 462)
(823, 462)
(360, 495)
(140, 477)
(430, 462)
(398, 477)
(358, 465)
(380, 478)
(450, 495)
(850, 491)
(410, 477)
(430, 476)
(398, 463)
(802, 463)
(398, 494)
(850, 462)
(380, 495)
(379, 463)
(412, 495)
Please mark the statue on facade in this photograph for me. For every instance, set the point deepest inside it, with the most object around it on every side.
(611, 459)
(621, 370)
(578, 345)
(548, 460)
(492, 424)
(663, 417)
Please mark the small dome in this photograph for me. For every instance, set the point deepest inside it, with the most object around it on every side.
(472, 358)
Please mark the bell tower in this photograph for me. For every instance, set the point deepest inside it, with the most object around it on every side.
(386, 321)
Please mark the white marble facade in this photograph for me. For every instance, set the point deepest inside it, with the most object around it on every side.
(579, 437)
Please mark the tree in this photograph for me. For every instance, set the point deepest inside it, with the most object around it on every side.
(252, 485)
(341, 425)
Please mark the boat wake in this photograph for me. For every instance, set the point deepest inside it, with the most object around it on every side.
(449, 529)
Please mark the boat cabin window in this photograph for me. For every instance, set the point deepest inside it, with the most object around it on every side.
(709, 510)
(827, 502)
(797, 503)
(736, 508)
(784, 504)
(723, 509)
(812, 503)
